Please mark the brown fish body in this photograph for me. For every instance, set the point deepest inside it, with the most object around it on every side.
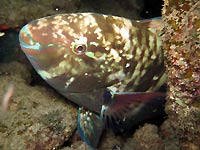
(82, 55)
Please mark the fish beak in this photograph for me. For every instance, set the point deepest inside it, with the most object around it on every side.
(26, 40)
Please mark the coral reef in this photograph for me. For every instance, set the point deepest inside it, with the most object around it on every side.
(182, 51)
(78, 145)
(19, 12)
(167, 133)
(37, 118)
(111, 141)
(40, 119)
(145, 138)
(150, 137)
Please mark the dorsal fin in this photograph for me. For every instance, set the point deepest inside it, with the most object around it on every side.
(153, 23)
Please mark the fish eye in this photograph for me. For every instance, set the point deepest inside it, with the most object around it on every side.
(79, 49)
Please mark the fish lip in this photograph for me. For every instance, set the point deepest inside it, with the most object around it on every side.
(23, 44)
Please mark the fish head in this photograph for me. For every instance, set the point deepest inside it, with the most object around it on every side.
(75, 52)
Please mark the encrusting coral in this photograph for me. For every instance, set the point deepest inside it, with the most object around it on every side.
(181, 40)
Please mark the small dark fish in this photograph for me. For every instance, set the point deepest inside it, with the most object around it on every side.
(102, 63)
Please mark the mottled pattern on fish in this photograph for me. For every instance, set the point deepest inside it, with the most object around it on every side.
(85, 52)
(97, 61)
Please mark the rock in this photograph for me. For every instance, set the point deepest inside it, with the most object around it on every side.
(145, 138)
(37, 117)
(111, 141)
(169, 135)
(78, 145)
(24, 11)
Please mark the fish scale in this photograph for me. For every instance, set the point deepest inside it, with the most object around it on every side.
(142, 61)
(97, 61)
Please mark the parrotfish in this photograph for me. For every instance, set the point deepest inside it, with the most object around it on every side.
(101, 62)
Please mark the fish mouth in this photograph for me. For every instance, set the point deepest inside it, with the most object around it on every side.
(32, 48)
(26, 40)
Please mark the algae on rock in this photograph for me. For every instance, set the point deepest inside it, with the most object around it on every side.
(37, 117)
(181, 40)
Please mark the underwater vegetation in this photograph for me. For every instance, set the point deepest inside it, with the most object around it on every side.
(181, 40)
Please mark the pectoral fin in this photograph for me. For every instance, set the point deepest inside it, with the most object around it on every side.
(90, 127)
(122, 106)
